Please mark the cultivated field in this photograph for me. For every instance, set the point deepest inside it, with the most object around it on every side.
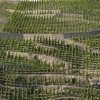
(46, 68)
(50, 50)
(53, 17)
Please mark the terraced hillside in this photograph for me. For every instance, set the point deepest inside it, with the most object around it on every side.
(50, 50)
(44, 68)
(54, 16)
(4, 14)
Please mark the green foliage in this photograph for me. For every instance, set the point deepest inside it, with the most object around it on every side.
(55, 17)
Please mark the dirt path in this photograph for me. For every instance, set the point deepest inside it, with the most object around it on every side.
(45, 46)
(11, 0)
(43, 57)
(43, 86)
(37, 13)
(82, 45)
(2, 22)
(51, 75)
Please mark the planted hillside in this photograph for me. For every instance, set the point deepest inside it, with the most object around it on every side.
(47, 68)
(50, 50)
(54, 17)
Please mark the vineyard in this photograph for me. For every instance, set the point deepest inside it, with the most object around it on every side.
(50, 50)
(43, 68)
(53, 17)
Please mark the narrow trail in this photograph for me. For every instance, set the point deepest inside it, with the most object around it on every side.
(82, 45)
(43, 86)
(43, 57)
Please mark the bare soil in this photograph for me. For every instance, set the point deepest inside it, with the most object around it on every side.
(2, 22)
(48, 59)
